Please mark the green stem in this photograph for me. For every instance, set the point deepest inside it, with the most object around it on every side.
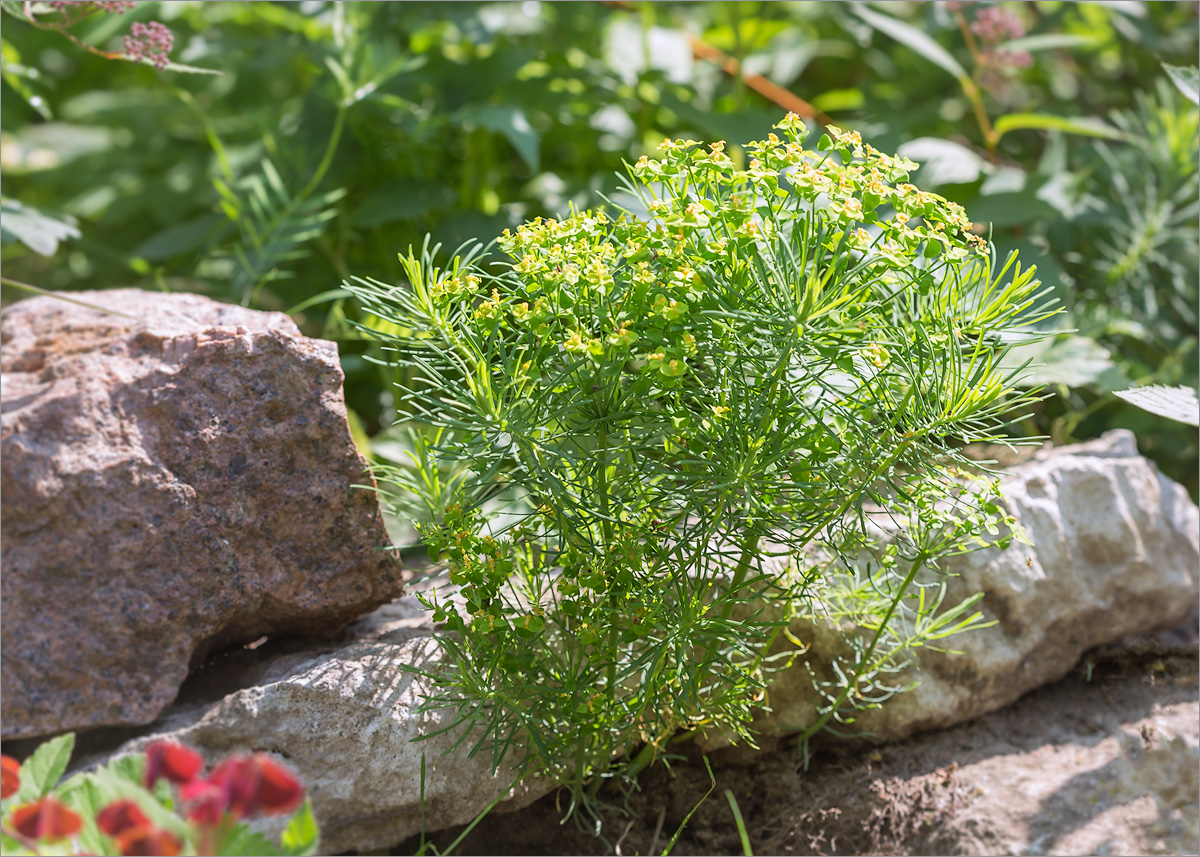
(971, 87)
(749, 546)
(330, 148)
(606, 541)
(918, 563)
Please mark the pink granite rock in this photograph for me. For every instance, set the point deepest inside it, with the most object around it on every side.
(170, 486)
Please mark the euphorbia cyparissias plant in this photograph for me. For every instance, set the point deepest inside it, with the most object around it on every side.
(652, 437)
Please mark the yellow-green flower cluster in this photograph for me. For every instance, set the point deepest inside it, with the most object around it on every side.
(628, 292)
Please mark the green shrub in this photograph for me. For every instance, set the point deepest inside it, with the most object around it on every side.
(629, 420)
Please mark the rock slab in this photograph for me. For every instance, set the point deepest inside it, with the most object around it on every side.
(173, 482)
(1116, 553)
(347, 718)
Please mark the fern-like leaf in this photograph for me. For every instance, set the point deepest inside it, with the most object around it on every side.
(274, 226)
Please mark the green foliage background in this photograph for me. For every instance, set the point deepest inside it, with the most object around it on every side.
(338, 134)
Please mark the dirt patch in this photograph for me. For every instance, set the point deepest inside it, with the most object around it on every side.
(1102, 762)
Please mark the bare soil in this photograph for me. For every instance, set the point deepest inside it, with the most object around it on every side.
(1103, 762)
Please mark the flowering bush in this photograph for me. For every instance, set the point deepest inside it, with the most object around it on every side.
(156, 803)
(643, 431)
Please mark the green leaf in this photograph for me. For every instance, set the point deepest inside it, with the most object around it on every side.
(1002, 210)
(1088, 127)
(1047, 41)
(512, 123)
(301, 835)
(1174, 403)
(37, 230)
(187, 69)
(83, 795)
(16, 74)
(14, 8)
(908, 35)
(401, 200)
(244, 841)
(1071, 360)
(741, 825)
(944, 161)
(120, 780)
(41, 771)
(1186, 80)
(181, 238)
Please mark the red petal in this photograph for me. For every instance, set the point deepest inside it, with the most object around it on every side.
(118, 817)
(146, 842)
(10, 776)
(46, 819)
(257, 784)
(236, 779)
(279, 790)
(205, 801)
(177, 763)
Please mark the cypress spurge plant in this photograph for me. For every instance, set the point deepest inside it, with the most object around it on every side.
(652, 437)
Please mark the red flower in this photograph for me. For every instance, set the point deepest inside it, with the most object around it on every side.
(121, 815)
(177, 763)
(205, 801)
(46, 819)
(10, 776)
(146, 840)
(257, 784)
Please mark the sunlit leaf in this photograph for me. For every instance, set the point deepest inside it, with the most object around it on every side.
(910, 36)
(1186, 80)
(1071, 360)
(512, 123)
(1174, 403)
(1047, 41)
(300, 836)
(1085, 126)
(943, 161)
(38, 231)
(42, 770)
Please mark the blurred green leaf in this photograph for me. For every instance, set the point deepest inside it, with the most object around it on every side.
(835, 100)
(38, 231)
(944, 161)
(1174, 403)
(1088, 127)
(243, 841)
(1047, 41)
(43, 769)
(183, 237)
(1004, 210)
(1186, 80)
(300, 837)
(913, 38)
(512, 123)
(186, 69)
(52, 145)
(19, 77)
(401, 200)
(1070, 360)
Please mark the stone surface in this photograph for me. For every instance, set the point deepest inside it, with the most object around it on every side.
(1115, 555)
(172, 484)
(345, 719)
